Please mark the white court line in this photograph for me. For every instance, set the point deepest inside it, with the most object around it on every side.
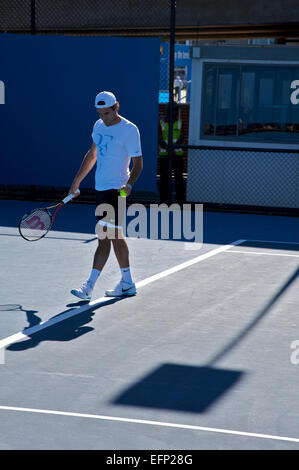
(52, 321)
(261, 253)
(64, 316)
(179, 267)
(273, 241)
(152, 423)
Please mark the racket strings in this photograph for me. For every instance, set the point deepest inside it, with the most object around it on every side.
(35, 224)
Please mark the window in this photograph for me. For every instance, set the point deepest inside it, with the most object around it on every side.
(249, 103)
(227, 101)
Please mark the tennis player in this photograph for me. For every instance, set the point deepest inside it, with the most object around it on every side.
(115, 141)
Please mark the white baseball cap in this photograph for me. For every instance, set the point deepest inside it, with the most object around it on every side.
(104, 99)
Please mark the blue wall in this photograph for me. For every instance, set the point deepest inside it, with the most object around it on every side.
(48, 115)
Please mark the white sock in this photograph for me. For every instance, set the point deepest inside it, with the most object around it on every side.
(93, 276)
(126, 275)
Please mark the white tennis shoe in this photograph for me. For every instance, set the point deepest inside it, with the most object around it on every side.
(123, 289)
(83, 292)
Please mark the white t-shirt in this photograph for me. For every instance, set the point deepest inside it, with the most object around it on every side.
(116, 145)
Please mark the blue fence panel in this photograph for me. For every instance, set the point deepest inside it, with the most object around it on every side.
(48, 84)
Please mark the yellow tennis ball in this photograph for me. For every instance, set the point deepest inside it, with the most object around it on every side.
(123, 193)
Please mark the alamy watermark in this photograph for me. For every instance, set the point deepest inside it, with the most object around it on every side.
(2, 92)
(157, 222)
(294, 358)
(2, 356)
(295, 94)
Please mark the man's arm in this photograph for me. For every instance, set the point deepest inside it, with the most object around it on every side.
(135, 173)
(87, 164)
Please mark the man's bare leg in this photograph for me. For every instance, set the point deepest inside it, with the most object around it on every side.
(121, 250)
(102, 254)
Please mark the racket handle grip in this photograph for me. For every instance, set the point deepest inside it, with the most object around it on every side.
(70, 196)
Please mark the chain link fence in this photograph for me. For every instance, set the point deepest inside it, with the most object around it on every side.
(107, 17)
(15, 16)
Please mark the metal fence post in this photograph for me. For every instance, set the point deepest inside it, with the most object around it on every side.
(170, 103)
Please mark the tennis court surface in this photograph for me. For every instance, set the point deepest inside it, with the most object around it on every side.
(204, 357)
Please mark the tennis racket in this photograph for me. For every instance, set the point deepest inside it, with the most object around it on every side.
(9, 307)
(36, 224)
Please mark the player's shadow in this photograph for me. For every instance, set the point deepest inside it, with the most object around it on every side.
(32, 318)
(66, 330)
